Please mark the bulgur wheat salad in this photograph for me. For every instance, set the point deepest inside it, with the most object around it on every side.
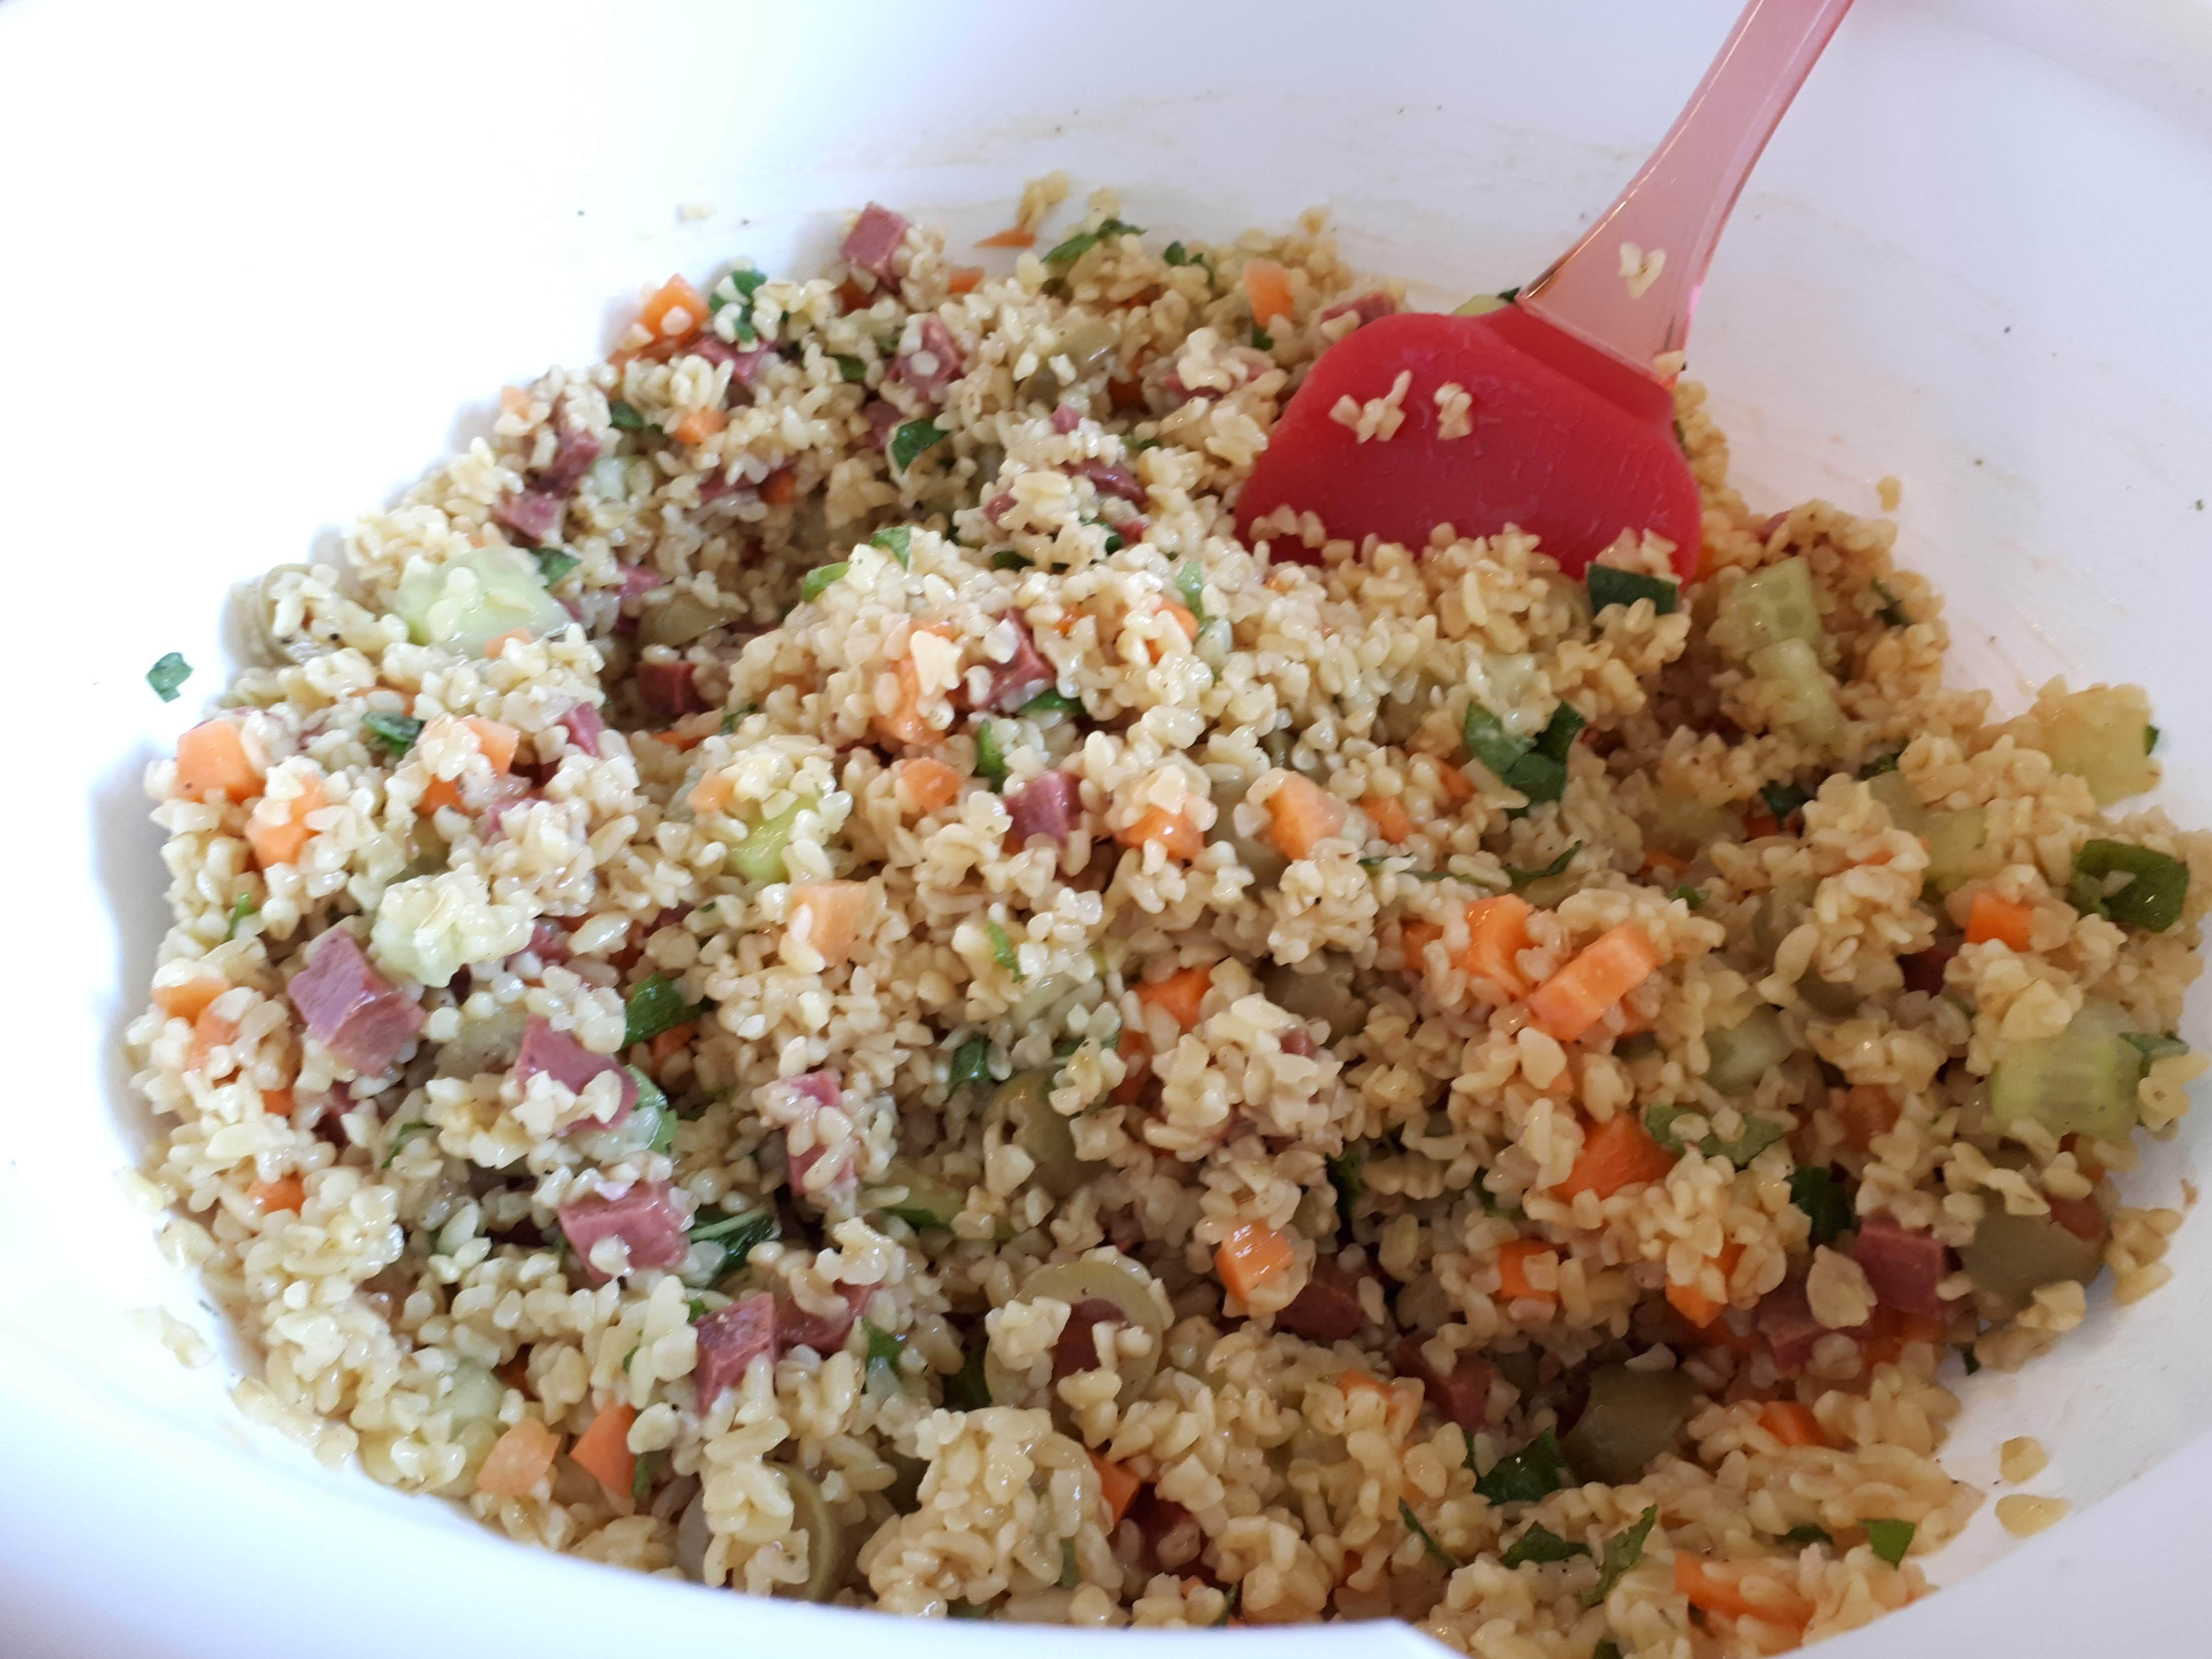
(809, 976)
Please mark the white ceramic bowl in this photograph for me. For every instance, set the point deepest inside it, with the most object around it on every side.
(264, 264)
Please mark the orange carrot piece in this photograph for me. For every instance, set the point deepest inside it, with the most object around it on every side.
(1457, 785)
(963, 279)
(1993, 916)
(1665, 865)
(927, 783)
(212, 761)
(1252, 1256)
(905, 723)
(211, 1031)
(675, 310)
(1497, 934)
(1865, 1111)
(186, 999)
(495, 646)
(1617, 1153)
(1608, 969)
(832, 911)
(285, 1193)
(1301, 815)
(1172, 830)
(1889, 1330)
(1012, 236)
(280, 839)
(672, 1041)
(1513, 1259)
(1183, 619)
(1414, 938)
(711, 793)
(1792, 1423)
(277, 1103)
(1182, 995)
(1717, 1586)
(497, 741)
(698, 425)
(1267, 286)
(2080, 1216)
(1116, 1486)
(602, 1449)
(1691, 1301)
(780, 487)
(1136, 1058)
(519, 1460)
(1354, 1380)
(1390, 818)
(1760, 823)
(437, 793)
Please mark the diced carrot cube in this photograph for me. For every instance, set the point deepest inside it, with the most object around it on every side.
(496, 740)
(963, 279)
(1993, 916)
(1497, 934)
(519, 1460)
(827, 915)
(1390, 818)
(924, 784)
(780, 487)
(711, 793)
(602, 1449)
(285, 1193)
(1136, 1059)
(1865, 1110)
(495, 646)
(1012, 236)
(1117, 1488)
(211, 760)
(1619, 1152)
(1608, 969)
(184, 999)
(1301, 815)
(1792, 1423)
(1355, 1381)
(1692, 1301)
(1414, 938)
(1267, 286)
(698, 425)
(211, 1031)
(1252, 1256)
(278, 832)
(1455, 784)
(277, 1103)
(1513, 1259)
(1717, 1587)
(1182, 995)
(675, 310)
(1174, 832)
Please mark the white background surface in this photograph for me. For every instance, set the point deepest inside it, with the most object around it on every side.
(260, 265)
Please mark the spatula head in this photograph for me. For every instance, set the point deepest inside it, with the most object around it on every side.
(1562, 441)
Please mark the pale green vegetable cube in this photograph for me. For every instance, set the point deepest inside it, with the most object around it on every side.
(474, 597)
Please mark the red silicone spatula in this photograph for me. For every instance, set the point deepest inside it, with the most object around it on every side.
(1571, 430)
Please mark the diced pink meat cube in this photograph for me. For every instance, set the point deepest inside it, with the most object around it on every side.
(1173, 1539)
(744, 366)
(820, 1087)
(883, 419)
(1368, 307)
(1078, 1347)
(1022, 676)
(571, 1065)
(1297, 1039)
(572, 455)
(1784, 1318)
(1066, 418)
(666, 687)
(532, 514)
(1904, 1267)
(646, 1219)
(350, 1008)
(1461, 1395)
(1327, 1310)
(1048, 804)
(730, 1339)
(999, 506)
(638, 579)
(1110, 480)
(795, 1327)
(934, 364)
(1925, 970)
(584, 727)
(549, 941)
(874, 237)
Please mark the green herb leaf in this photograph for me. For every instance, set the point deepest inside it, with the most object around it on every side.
(1541, 774)
(1381, 863)
(1175, 253)
(971, 1063)
(1002, 950)
(240, 907)
(1344, 1175)
(166, 674)
(627, 1357)
(1802, 1536)
(1557, 738)
(1969, 1358)
(1880, 763)
(1783, 799)
(744, 285)
(1113, 544)
(737, 1234)
(1825, 1202)
(1190, 587)
(650, 1100)
(397, 732)
(966, 1390)
(1138, 445)
(1007, 559)
(553, 563)
(817, 581)
(1692, 896)
(1636, 1045)
(1758, 1133)
(2156, 1045)
(1606, 1647)
(1084, 240)
(883, 1353)
(1557, 866)
(1541, 1544)
(1414, 1525)
(2152, 896)
(400, 1137)
(1622, 1552)
(695, 1309)
(851, 370)
(1261, 339)
(624, 418)
(2150, 739)
(731, 717)
(643, 1477)
(1051, 701)
(1489, 742)
(1610, 585)
(1893, 609)
(911, 440)
(1069, 1577)
(1536, 1469)
(655, 1004)
(1890, 1539)
(898, 542)
(990, 764)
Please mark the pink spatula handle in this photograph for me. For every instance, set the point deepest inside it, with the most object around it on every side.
(1677, 204)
